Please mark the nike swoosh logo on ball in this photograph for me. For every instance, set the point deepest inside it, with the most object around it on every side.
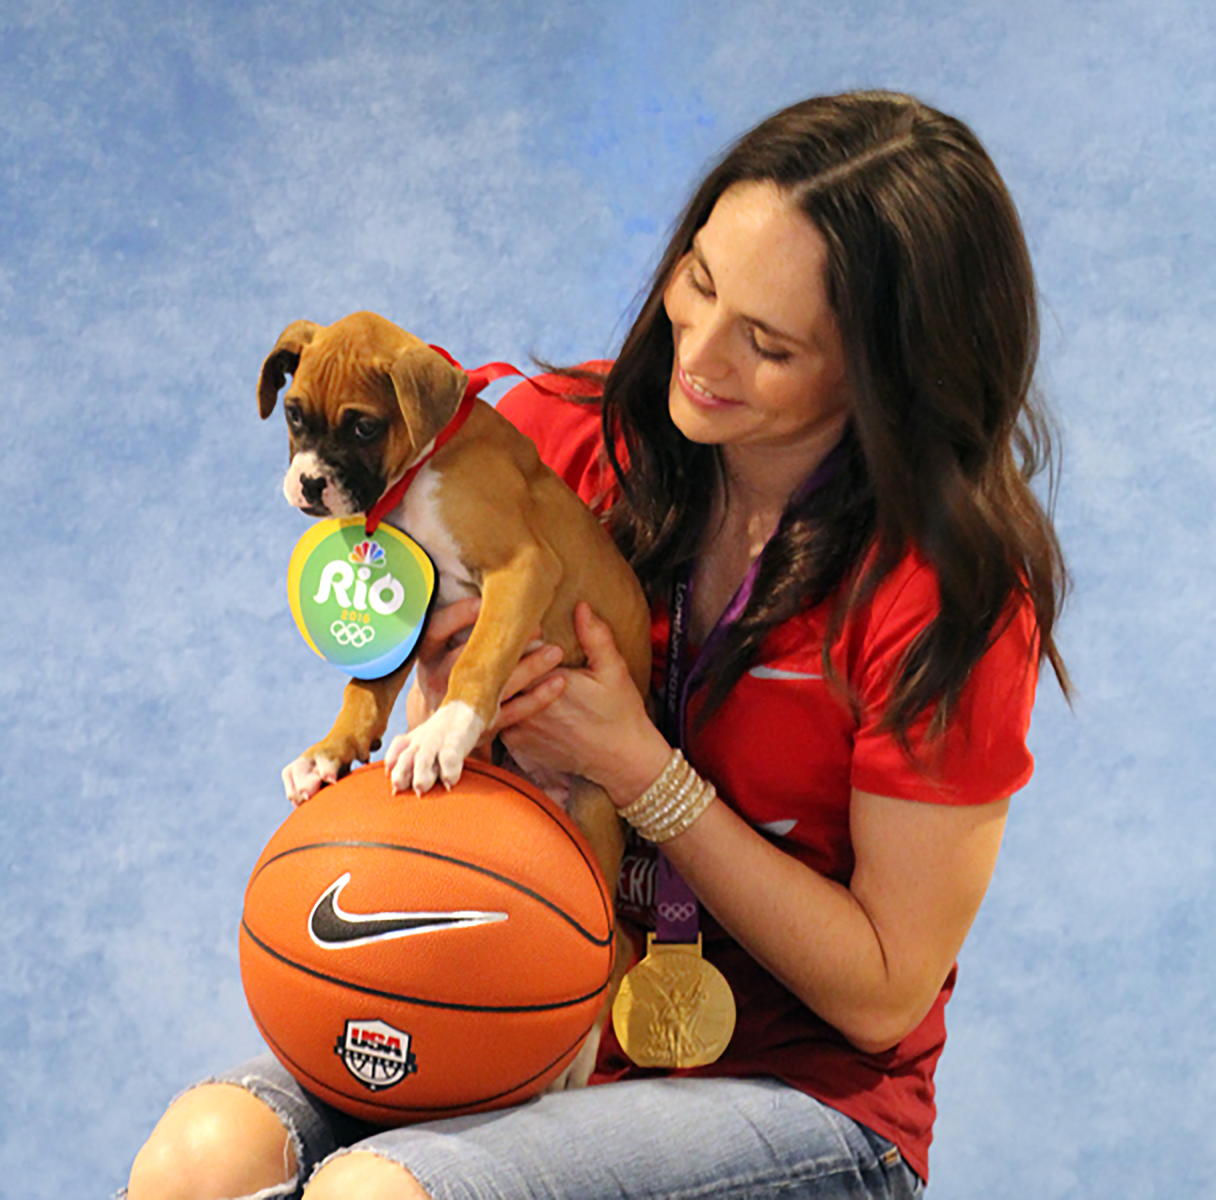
(333, 929)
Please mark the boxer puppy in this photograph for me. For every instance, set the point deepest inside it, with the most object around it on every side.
(367, 402)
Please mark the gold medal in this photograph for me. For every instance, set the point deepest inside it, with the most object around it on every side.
(674, 1009)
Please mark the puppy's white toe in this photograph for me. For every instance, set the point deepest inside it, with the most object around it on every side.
(402, 773)
(328, 768)
(425, 774)
(451, 766)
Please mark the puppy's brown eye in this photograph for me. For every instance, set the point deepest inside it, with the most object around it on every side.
(367, 429)
(294, 414)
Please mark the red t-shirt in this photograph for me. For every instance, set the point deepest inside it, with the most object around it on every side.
(785, 752)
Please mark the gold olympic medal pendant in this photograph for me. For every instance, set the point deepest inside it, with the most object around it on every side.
(674, 1009)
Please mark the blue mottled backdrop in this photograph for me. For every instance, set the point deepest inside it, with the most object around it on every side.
(178, 182)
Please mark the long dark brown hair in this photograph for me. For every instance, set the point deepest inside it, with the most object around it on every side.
(930, 280)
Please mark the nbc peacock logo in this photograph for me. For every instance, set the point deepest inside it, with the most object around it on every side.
(369, 554)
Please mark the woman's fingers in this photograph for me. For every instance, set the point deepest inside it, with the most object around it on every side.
(447, 629)
(445, 623)
(528, 704)
(599, 645)
(530, 669)
(530, 688)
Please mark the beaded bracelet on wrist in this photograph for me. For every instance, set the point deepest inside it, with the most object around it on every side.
(672, 803)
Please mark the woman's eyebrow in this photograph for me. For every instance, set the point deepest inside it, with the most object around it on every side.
(764, 326)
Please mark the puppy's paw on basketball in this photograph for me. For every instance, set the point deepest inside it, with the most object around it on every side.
(399, 762)
(436, 750)
(305, 777)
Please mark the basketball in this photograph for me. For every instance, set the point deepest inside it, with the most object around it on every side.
(413, 957)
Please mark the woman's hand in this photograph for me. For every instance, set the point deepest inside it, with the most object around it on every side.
(595, 724)
(529, 687)
(446, 632)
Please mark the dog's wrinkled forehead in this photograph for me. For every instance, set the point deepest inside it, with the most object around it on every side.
(328, 377)
(350, 360)
(363, 352)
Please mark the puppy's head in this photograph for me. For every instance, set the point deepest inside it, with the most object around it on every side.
(366, 400)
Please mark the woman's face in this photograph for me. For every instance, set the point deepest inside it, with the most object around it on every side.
(758, 355)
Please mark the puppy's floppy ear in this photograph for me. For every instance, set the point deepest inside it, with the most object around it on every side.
(429, 390)
(282, 361)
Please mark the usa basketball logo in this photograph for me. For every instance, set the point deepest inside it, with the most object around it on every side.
(376, 1054)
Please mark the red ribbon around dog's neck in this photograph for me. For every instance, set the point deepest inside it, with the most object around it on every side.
(478, 380)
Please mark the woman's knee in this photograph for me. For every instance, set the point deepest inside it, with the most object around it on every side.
(217, 1140)
(364, 1176)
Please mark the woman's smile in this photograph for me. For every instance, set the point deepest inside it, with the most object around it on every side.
(701, 395)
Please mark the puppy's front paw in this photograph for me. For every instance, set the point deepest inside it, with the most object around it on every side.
(436, 750)
(305, 777)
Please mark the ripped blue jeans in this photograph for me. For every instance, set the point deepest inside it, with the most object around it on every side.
(642, 1139)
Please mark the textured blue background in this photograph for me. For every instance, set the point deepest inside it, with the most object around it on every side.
(178, 182)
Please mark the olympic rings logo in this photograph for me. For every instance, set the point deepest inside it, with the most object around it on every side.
(677, 912)
(350, 633)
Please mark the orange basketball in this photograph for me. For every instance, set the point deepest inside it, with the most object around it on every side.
(411, 957)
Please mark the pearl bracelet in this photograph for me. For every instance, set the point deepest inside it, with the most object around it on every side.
(672, 803)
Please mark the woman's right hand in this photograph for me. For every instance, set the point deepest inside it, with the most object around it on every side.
(599, 728)
(530, 688)
(445, 634)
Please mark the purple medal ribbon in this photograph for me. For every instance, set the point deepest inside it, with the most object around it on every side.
(677, 911)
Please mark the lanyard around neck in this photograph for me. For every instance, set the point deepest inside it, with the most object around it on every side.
(677, 913)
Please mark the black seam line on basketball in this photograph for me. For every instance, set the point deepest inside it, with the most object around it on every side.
(447, 858)
(428, 1109)
(609, 916)
(605, 900)
(338, 981)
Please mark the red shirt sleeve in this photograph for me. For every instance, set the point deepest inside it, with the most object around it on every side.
(983, 754)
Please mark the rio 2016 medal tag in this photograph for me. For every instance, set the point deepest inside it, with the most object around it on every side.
(674, 1009)
(360, 600)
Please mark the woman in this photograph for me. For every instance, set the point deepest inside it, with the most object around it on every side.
(821, 429)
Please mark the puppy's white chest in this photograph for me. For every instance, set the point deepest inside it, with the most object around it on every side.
(419, 515)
